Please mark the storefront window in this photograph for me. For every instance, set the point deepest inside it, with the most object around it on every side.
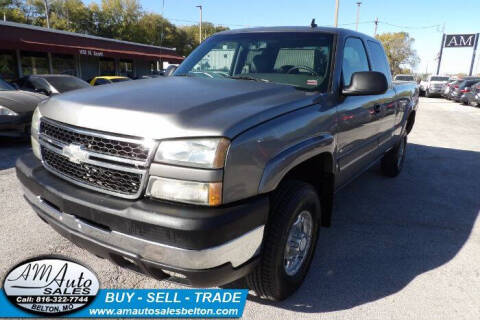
(107, 67)
(126, 67)
(34, 63)
(63, 64)
(8, 65)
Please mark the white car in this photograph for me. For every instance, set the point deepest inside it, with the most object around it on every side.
(434, 85)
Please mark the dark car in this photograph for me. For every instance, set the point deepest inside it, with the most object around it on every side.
(461, 87)
(470, 94)
(16, 109)
(50, 84)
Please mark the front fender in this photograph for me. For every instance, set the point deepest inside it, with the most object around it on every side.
(280, 165)
(259, 158)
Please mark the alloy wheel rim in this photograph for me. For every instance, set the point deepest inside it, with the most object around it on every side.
(298, 243)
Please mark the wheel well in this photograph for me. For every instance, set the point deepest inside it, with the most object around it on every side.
(410, 122)
(319, 172)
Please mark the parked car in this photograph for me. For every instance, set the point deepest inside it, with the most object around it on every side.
(16, 110)
(470, 94)
(50, 84)
(101, 80)
(225, 177)
(170, 70)
(461, 87)
(477, 99)
(448, 87)
(433, 86)
(404, 78)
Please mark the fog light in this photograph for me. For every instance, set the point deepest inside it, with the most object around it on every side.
(203, 193)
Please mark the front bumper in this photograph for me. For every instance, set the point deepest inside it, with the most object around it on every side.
(434, 90)
(193, 245)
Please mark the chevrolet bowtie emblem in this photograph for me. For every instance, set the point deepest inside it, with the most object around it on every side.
(74, 153)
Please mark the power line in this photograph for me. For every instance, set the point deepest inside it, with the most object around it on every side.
(409, 27)
(377, 22)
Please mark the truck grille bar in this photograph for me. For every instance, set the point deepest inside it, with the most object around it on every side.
(106, 163)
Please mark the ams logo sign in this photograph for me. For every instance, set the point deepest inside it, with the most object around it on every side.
(460, 40)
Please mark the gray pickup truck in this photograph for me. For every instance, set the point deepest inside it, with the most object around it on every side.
(228, 169)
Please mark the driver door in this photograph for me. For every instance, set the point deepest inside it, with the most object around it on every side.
(358, 117)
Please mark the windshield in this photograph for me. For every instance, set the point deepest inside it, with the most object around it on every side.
(439, 79)
(405, 78)
(301, 60)
(66, 83)
(119, 79)
(4, 86)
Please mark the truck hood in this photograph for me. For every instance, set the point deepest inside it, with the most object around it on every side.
(20, 101)
(175, 107)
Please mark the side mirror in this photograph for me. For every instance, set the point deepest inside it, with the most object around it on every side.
(366, 83)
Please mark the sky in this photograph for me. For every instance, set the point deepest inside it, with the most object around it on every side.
(422, 19)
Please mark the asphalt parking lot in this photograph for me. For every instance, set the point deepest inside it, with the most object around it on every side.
(403, 248)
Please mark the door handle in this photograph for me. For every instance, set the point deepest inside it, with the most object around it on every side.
(377, 108)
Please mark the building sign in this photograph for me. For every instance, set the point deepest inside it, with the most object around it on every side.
(91, 53)
(459, 40)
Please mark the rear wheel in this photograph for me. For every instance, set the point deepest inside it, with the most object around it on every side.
(289, 241)
(392, 161)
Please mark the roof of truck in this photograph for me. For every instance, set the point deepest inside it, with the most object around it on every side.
(297, 29)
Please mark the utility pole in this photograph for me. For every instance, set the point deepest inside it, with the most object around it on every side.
(163, 23)
(376, 25)
(200, 26)
(441, 50)
(358, 15)
(474, 53)
(337, 4)
(46, 13)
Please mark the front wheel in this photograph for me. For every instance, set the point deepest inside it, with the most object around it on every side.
(289, 241)
(392, 161)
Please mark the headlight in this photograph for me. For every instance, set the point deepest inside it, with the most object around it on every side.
(4, 111)
(203, 193)
(35, 130)
(203, 153)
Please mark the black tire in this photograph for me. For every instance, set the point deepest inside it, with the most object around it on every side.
(392, 161)
(270, 279)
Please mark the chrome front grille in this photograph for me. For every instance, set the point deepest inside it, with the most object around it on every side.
(95, 143)
(106, 163)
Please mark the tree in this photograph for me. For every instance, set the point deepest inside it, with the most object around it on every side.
(400, 52)
(192, 31)
(117, 19)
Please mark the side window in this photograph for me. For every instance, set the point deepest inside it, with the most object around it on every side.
(354, 59)
(39, 83)
(26, 84)
(379, 59)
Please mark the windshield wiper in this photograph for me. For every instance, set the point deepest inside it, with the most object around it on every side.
(248, 78)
